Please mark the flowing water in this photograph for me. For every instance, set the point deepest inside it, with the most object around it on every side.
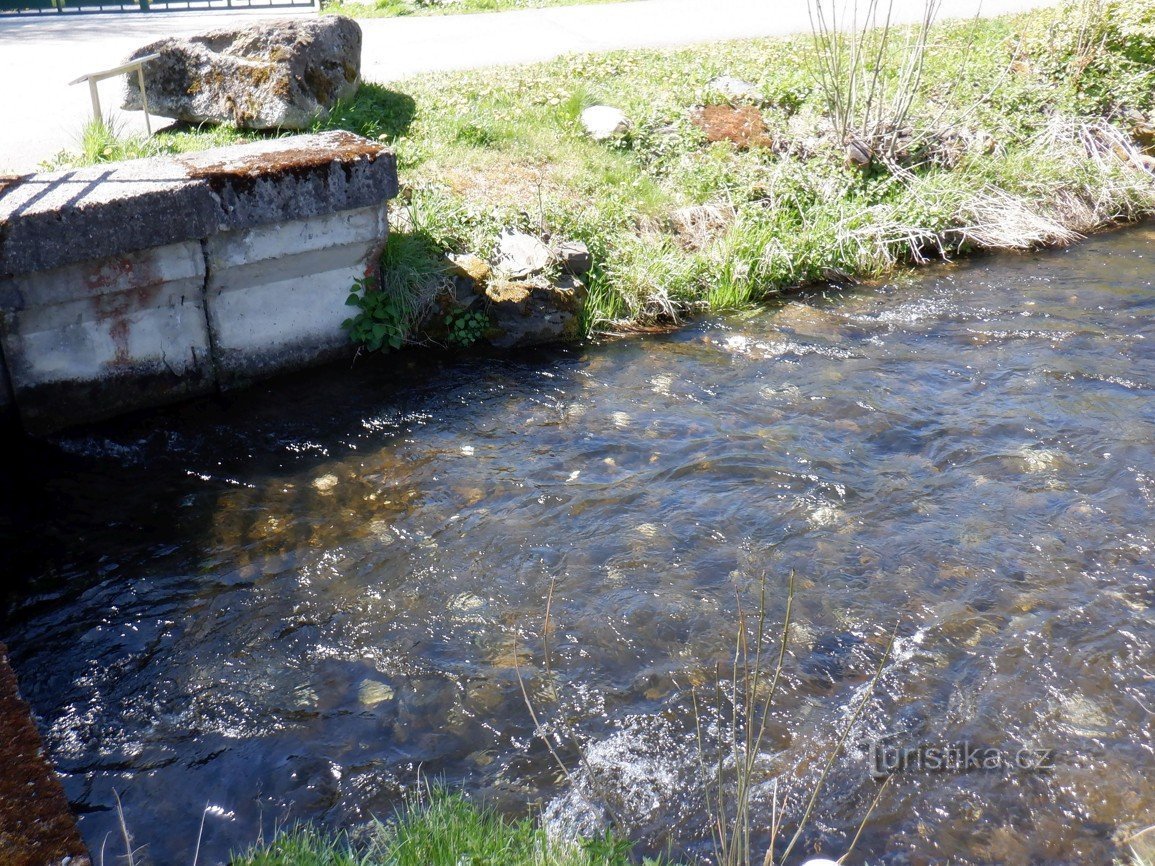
(290, 605)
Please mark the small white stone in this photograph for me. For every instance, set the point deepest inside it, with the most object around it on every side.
(604, 121)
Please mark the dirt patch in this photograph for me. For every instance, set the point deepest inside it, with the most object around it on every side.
(36, 825)
(743, 125)
(503, 182)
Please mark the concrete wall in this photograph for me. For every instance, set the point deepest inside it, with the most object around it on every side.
(134, 284)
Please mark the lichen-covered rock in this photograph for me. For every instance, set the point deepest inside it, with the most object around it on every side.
(532, 313)
(470, 266)
(271, 75)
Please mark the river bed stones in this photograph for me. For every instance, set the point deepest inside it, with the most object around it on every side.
(270, 75)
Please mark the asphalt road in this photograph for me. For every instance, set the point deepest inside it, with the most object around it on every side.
(39, 55)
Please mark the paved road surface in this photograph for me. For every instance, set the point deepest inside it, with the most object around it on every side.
(40, 55)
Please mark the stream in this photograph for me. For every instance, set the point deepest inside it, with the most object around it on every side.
(295, 602)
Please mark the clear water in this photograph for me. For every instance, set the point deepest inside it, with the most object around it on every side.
(285, 606)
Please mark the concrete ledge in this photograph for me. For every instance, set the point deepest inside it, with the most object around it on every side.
(133, 284)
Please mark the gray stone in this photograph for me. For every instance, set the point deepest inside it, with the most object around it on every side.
(271, 75)
(574, 257)
(735, 89)
(521, 255)
(603, 122)
(859, 153)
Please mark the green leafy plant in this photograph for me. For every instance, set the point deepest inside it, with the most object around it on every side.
(465, 327)
(380, 323)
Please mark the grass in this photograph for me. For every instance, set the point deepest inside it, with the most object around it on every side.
(396, 8)
(439, 828)
(1015, 132)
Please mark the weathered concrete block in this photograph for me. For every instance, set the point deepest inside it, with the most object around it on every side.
(99, 337)
(61, 217)
(129, 285)
(276, 294)
(286, 179)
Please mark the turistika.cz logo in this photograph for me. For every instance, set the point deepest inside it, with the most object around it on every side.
(887, 759)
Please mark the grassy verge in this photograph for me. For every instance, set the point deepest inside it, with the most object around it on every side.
(440, 829)
(1019, 131)
(397, 8)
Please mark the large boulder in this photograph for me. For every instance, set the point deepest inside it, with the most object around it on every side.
(271, 75)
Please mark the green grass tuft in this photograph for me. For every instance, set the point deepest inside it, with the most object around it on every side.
(440, 828)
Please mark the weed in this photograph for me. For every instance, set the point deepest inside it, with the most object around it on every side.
(868, 99)
(465, 327)
(379, 324)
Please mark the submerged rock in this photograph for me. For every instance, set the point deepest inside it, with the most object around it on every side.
(373, 692)
(831, 657)
(602, 122)
(271, 75)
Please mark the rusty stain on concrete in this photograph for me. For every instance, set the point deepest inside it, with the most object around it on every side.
(36, 825)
